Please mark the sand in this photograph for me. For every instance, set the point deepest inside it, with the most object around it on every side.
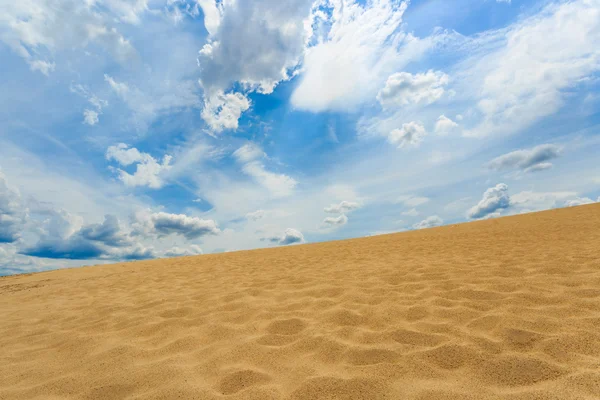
(499, 309)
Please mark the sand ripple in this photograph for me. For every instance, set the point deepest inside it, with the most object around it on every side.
(499, 309)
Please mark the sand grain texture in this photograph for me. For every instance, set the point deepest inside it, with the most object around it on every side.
(499, 309)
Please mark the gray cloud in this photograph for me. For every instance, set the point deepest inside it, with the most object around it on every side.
(62, 240)
(290, 236)
(252, 42)
(63, 236)
(165, 224)
(13, 214)
(530, 160)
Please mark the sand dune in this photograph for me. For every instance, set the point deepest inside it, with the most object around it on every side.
(498, 309)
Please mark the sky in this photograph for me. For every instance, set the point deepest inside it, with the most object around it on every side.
(140, 129)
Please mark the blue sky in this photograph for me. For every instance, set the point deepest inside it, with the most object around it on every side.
(136, 129)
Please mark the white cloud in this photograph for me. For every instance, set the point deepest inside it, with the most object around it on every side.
(249, 152)
(534, 201)
(124, 155)
(403, 88)
(279, 185)
(525, 79)
(13, 213)
(429, 222)
(157, 97)
(579, 201)
(336, 221)
(494, 199)
(411, 134)
(37, 28)
(120, 88)
(212, 15)
(531, 160)
(352, 52)
(222, 111)
(43, 66)
(411, 213)
(342, 208)
(90, 117)
(191, 250)
(148, 170)
(445, 125)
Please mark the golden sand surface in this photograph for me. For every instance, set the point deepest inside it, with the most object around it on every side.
(500, 309)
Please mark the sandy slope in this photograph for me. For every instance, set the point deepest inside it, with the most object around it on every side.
(499, 309)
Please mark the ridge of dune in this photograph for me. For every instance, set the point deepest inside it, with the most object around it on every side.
(507, 308)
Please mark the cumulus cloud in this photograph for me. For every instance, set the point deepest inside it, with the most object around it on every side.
(63, 238)
(222, 111)
(290, 236)
(494, 200)
(342, 208)
(530, 160)
(404, 88)
(336, 221)
(13, 213)
(148, 170)
(274, 35)
(279, 185)
(429, 222)
(343, 68)
(410, 135)
(445, 125)
(191, 250)
(529, 71)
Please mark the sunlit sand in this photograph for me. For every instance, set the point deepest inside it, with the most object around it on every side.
(499, 309)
